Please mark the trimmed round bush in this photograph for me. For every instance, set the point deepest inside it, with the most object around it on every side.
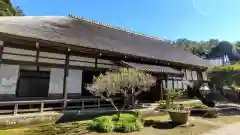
(126, 123)
(102, 124)
(200, 107)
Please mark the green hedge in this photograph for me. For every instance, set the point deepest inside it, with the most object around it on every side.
(219, 75)
(126, 123)
(232, 67)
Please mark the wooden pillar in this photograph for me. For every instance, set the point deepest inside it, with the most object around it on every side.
(133, 99)
(166, 85)
(96, 62)
(161, 89)
(182, 83)
(199, 75)
(66, 68)
(166, 81)
(173, 83)
(185, 74)
(1, 51)
(37, 55)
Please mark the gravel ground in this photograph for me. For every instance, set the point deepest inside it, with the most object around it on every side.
(231, 129)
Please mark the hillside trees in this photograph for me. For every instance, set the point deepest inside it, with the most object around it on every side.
(7, 9)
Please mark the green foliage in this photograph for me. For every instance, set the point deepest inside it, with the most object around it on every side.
(126, 123)
(231, 76)
(162, 104)
(103, 124)
(212, 47)
(200, 48)
(200, 106)
(125, 126)
(7, 9)
(173, 94)
(169, 102)
(228, 68)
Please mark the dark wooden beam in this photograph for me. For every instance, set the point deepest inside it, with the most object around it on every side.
(37, 55)
(1, 51)
(161, 89)
(185, 74)
(166, 81)
(173, 83)
(96, 61)
(182, 82)
(66, 68)
(191, 75)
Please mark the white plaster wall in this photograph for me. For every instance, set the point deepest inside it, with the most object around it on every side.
(18, 57)
(8, 78)
(56, 81)
(74, 81)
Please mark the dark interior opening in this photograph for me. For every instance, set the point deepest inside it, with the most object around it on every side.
(154, 94)
(88, 79)
(33, 83)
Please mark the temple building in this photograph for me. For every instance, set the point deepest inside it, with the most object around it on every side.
(46, 61)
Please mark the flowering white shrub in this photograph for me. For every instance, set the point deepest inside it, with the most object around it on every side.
(122, 81)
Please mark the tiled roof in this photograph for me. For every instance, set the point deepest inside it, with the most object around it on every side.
(81, 32)
(153, 68)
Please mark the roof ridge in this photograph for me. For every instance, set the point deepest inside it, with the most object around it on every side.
(111, 26)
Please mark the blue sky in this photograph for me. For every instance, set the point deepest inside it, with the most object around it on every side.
(169, 19)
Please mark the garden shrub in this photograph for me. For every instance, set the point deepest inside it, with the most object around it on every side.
(126, 123)
(200, 107)
(102, 124)
(126, 126)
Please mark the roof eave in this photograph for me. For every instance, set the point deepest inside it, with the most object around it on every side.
(67, 45)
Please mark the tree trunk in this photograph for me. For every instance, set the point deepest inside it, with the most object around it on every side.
(133, 101)
(122, 108)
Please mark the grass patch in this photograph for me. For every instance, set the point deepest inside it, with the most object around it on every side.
(78, 128)
(158, 118)
(50, 129)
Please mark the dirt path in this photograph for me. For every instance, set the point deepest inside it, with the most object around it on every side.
(230, 129)
(206, 121)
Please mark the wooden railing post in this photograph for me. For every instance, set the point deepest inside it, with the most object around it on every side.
(1, 50)
(15, 109)
(42, 107)
(82, 104)
(37, 55)
(98, 103)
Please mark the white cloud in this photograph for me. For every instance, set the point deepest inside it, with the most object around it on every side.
(199, 10)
